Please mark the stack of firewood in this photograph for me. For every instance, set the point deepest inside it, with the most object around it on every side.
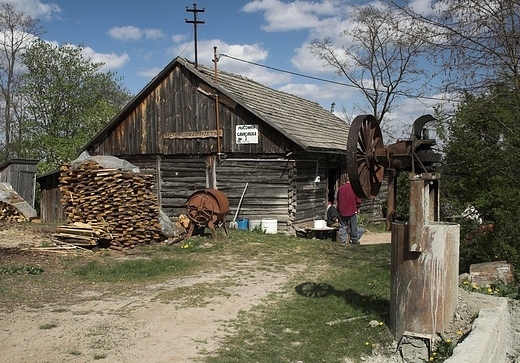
(123, 199)
(10, 213)
(84, 234)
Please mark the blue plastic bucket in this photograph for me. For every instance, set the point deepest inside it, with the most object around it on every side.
(242, 223)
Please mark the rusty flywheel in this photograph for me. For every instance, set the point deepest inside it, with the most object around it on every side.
(364, 169)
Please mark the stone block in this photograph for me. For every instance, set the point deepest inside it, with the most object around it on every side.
(487, 273)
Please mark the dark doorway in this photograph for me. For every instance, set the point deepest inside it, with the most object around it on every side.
(331, 184)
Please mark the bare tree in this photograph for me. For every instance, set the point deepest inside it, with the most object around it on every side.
(382, 60)
(475, 41)
(16, 31)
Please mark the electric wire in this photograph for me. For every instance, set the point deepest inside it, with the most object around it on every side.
(323, 79)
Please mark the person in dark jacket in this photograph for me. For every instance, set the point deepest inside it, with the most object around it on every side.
(332, 215)
(348, 206)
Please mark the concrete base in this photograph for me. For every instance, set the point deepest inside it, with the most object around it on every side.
(488, 340)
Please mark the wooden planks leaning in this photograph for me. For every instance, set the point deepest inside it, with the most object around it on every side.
(123, 200)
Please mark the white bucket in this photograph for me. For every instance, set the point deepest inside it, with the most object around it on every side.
(320, 224)
(254, 223)
(270, 226)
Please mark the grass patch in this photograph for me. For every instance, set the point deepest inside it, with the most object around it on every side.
(197, 295)
(140, 269)
(325, 315)
(75, 352)
(48, 326)
(21, 270)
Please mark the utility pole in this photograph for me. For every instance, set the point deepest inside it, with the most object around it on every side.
(195, 22)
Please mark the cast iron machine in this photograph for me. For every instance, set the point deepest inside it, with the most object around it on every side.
(424, 271)
(367, 158)
(207, 208)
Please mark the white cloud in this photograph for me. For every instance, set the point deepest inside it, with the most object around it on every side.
(177, 38)
(154, 34)
(35, 8)
(296, 15)
(150, 73)
(423, 7)
(249, 52)
(112, 61)
(304, 61)
(125, 33)
(130, 32)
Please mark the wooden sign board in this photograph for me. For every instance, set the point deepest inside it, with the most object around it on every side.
(193, 134)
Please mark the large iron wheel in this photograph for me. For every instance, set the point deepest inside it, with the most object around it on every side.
(364, 171)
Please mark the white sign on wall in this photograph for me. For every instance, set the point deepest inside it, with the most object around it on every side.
(247, 134)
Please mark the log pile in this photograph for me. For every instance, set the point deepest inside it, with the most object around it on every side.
(10, 213)
(121, 199)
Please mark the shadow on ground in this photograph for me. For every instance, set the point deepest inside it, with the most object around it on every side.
(370, 304)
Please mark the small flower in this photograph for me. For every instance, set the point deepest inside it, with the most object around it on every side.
(448, 341)
(434, 354)
(431, 359)
(381, 323)
(459, 332)
(367, 343)
(490, 290)
(466, 282)
(474, 286)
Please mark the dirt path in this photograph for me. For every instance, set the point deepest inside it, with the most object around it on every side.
(139, 326)
(134, 328)
(147, 325)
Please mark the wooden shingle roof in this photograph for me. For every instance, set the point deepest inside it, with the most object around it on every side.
(304, 122)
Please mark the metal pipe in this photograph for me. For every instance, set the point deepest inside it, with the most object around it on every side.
(215, 60)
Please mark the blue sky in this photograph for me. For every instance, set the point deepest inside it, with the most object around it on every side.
(138, 38)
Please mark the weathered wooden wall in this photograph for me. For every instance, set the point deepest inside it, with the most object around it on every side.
(21, 174)
(51, 209)
(179, 178)
(311, 196)
(266, 195)
(182, 104)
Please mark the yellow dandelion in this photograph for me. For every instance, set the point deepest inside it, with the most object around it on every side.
(466, 282)
(431, 359)
(459, 332)
(434, 354)
(448, 340)
(367, 343)
(381, 323)
(474, 286)
(490, 290)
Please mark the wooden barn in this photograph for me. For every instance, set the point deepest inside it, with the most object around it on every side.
(197, 128)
